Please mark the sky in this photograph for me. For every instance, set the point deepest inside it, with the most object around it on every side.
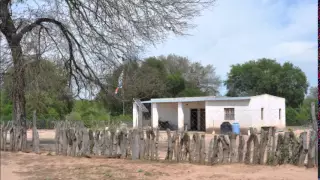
(234, 32)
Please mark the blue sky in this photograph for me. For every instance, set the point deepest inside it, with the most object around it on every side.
(237, 31)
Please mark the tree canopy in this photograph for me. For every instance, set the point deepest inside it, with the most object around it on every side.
(46, 91)
(268, 76)
(163, 76)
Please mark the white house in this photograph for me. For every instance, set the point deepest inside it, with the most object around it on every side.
(208, 113)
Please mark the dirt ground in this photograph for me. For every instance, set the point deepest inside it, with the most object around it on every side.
(20, 166)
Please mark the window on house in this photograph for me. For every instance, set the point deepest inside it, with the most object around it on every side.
(261, 113)
(279, 114)
(229, 114)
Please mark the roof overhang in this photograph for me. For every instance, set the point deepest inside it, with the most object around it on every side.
(195, 99)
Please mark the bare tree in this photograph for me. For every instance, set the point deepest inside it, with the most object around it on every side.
(88, 35)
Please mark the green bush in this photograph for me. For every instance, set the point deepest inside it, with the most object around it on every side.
(73, 116)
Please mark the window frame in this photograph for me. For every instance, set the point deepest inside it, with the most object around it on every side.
(279, 113)
(229, 114)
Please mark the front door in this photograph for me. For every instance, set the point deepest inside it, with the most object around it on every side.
(193, 119)
(202, 120)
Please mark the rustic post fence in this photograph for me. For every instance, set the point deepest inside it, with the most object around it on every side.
(267, 147)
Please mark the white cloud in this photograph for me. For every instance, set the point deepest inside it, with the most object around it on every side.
(238, 31)
(304, 50)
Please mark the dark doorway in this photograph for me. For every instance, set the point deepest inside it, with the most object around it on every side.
(202, 120)
(193, 119)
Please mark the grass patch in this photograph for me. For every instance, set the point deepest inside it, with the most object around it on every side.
(148, 173)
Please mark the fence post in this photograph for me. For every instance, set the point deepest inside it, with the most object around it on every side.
(315, 129)
(35, 134)
(135, 144)
(170, 149)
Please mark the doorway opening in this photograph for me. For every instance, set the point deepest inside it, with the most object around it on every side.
(197, 119)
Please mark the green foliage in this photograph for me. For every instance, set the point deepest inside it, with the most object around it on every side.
(191, 92)
(175, 84)
(5, 106)
(46, 91)
(73, 116)
(158, 77)
(301, 115)
(87, 111)
(313, 93)
(268, 76)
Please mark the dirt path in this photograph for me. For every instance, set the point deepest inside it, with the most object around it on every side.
(16, 166)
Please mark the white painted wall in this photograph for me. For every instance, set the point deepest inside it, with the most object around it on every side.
(168, 112)
(135, 115)
(247, 112)
(154, 115)
(215, 112)
(271, 105)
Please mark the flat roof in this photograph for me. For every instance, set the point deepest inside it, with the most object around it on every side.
(195, 99)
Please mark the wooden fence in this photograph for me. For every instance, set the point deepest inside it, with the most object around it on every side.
(268, 147)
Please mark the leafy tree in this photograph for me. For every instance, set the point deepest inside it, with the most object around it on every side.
(175, 84)
(313, 92)
(195, 74)
(46, 90)
(89, 35)
(156, 77)
(268, 76)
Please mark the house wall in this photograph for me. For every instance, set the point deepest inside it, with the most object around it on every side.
(247, 112)
(215, 113)
(169, 112)
(186, 111)
(271, 106)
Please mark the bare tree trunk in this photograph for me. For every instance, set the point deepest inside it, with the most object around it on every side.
(18, 98)
(7, 27)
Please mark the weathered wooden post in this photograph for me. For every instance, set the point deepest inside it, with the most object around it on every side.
(196, 137)
(311, 150)
(170, 149)
(35, 134)
(252, 139)
(185, 141)
(148, 144)
(135, 144)
(210, 150)
(124, 143)
(91, 141)
(215, 150)
(157, 144)
(141, 144)
(57, 127)
(304, 148)
(129, 144)
(233, 148)
(85, 149)
(264, 138)
(202, 150)
(315, 129)
(226, 148)
(175, 142)
(241, 149)
(280, 150)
